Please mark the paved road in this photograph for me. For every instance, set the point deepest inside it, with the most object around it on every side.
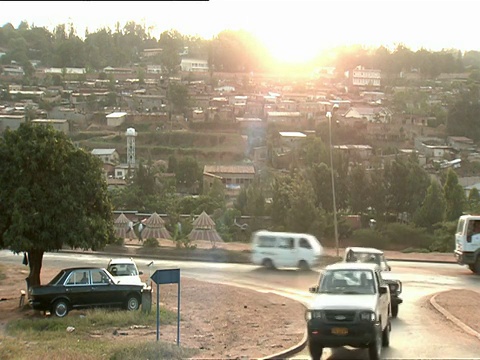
(418, 333)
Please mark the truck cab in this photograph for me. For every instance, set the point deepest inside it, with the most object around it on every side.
(467, 242)
(351, 307)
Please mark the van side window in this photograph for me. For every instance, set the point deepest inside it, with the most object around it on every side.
(304, 244)
(266, 241)
(287, 243)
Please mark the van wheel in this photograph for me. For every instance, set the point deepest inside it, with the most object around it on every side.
(268, 263)
(303, 265)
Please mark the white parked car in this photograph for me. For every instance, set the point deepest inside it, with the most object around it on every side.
(125, 271)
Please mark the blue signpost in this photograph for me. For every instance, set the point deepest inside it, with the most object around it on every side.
(167, 276)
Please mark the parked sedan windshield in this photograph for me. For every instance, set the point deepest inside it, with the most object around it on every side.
(347, 282)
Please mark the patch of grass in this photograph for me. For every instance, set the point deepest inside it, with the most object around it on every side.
(153, 351)
(42, 338)
(415, 250)
(85, 321)
(3, 276)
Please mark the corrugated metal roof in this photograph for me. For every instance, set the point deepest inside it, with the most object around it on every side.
(229, 169)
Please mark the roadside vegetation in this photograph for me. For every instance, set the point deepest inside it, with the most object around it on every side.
(91, 332)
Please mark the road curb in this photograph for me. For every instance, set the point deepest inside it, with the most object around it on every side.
(452, 318)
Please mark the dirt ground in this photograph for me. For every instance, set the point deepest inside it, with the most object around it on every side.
(220, 321)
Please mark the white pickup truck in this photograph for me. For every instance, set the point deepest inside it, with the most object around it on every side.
(351, 307)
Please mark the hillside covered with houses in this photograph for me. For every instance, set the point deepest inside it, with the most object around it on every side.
(239, 126)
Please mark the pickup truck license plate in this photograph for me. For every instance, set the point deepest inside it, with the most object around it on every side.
(339, 331)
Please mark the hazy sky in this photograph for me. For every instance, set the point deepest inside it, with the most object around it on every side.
(302, 26)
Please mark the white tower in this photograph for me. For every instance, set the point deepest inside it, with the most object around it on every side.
(131, 147)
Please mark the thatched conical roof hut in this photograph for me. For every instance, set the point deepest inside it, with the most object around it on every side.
(155, 228)
(122, 229)
(204, 229)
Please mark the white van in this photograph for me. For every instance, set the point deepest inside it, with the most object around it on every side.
(284, 249)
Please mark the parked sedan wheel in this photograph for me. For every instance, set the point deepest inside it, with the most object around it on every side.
(60, 308)
(133, 303)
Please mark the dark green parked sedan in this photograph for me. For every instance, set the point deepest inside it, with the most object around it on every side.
(83, 287)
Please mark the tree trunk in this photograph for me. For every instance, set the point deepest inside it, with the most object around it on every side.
(35, 258)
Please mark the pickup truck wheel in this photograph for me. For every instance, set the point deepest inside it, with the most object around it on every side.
(375, 347)
(315, 351)
(394, 310)
(386, 336)
(60, 308)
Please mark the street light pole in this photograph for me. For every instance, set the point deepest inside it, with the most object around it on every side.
(335, 225)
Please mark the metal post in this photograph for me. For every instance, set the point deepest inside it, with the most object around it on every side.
(178, 313)
(329, 115)
(158, 311)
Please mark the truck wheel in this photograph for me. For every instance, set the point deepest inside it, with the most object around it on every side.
(315, 351)
(476, 265)
(395, 310)
(386, 335)
(375, 347)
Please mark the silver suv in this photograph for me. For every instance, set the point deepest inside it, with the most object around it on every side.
(376, 256)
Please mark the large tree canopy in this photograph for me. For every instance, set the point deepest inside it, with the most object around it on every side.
(52, 194)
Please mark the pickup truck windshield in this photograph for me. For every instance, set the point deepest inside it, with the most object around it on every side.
(347, 282)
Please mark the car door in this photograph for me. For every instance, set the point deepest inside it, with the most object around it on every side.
(78, 288)
(104, 293)
(287, 252)
(384, 300)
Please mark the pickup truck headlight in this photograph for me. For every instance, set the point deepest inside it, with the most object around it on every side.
(314, 314)
(368, 316)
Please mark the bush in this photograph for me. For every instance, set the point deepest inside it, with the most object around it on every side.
(370, 238)
(153, 350)
(444, 237)
(150, 243)
(401, 236)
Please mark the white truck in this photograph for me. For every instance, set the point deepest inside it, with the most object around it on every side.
(467, 242)
(351, 307)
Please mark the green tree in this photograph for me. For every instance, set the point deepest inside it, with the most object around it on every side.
(303, 216)
(454, 196)
(178, 96)
(52, 194)
(359, 189)
(474, 201)
(187, 171)
(433, 208)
